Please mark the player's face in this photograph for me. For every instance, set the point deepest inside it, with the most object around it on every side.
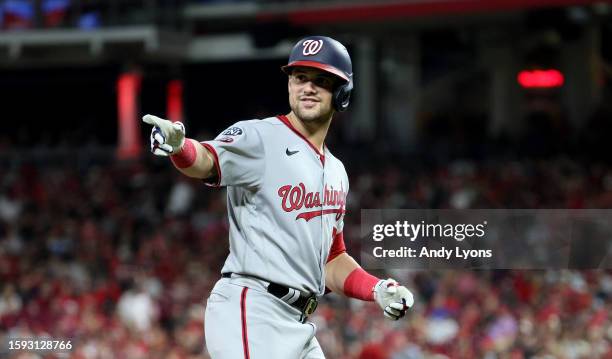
(310, 94)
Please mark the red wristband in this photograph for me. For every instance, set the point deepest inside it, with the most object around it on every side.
(360, 284)
(187, 157)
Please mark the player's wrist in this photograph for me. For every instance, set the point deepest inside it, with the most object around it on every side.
(360, 284)
(185, 156)
(376, 286)
(179, 149)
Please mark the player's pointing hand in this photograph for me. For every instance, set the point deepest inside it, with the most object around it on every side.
(394, 299)
(166, 137)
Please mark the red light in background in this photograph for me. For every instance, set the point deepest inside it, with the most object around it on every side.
(540, 78)
(128, 89)
(174, 101)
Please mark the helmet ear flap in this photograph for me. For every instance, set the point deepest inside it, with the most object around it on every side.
(342, 96)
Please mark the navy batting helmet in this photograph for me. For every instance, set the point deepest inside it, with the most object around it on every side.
(329, 55)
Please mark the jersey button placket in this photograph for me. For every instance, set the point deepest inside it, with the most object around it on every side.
(322, 190)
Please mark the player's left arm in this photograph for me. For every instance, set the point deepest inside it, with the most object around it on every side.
(344, 275)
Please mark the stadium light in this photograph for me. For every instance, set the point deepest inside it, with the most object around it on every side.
(128, 90)
(174, 100)
(540, 78)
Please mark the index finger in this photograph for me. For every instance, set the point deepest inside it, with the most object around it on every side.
(152, 120)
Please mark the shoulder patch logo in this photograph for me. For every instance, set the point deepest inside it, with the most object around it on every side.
(232, 131)
(312, 47)
(226, 139)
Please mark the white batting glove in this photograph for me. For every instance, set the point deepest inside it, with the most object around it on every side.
(167, 137)
(394, 299)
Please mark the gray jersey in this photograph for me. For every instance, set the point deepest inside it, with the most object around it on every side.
(285, 202)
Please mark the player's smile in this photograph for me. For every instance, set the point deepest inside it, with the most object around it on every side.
(309, 102)
(310, 93)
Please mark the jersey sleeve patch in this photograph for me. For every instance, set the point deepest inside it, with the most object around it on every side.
(239, 155)
(232, 131)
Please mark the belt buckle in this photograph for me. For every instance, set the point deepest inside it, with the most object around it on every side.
(309, 308)
(311, 305)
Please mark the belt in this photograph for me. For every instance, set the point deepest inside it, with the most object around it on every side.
(306, 304)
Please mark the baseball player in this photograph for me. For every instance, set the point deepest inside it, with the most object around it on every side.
(286, 196)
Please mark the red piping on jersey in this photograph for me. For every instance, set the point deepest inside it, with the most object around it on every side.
(285, 120)
(245, 338)
(212, 150)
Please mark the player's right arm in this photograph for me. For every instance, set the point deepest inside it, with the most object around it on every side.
(189, 156)
(203, 165)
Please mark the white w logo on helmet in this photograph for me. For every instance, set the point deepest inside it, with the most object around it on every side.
(312, 47)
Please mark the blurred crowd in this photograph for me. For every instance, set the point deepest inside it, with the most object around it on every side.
(120, 256)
